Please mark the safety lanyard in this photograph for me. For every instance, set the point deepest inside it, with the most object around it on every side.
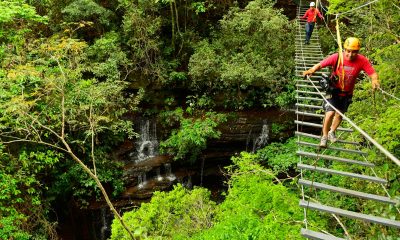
(340, 56)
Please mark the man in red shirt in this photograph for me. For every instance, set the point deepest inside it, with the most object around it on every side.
(311, 16)
(342, 94)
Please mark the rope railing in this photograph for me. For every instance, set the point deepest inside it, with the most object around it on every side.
(361, 6)
(298, 138)
(390, 95)
(376, 175)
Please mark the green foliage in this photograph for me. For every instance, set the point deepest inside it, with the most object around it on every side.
(191, 138)
(47, 100)
(21, 193)
(255, 208)
(87, 10)
(376, 24)
(16, 20)
(72, 180)
(178, 213)
(281, 157)
(18, 9)
(199, 7)
(141, 28)
(251, 50)
(107, 58)
(328, 45)
(83, 100)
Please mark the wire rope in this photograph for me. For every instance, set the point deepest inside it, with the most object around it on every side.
(361, 6)
(297, 117)
(300, 159)
(374, 173)
(386, 93)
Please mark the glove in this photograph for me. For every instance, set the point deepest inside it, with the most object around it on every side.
(375, 84)
(309, 72)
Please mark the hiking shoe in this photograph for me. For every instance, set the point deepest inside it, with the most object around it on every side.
(323, 142)
(332, 136)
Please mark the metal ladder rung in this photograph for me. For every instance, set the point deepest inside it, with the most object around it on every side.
(332, 148)
(308, 106)
(308, 63)
(300, 43)
(320, 126)
(309, 98)
(317, 235)
(350, 214)
(308, 92)
(333, 158)
(318, 137)
(317, 74)
(346, 191)
(306, 81)
(342, 173)
(311, 51)
(308, 86)
(310, 57)
(310, 114)
(312, 77)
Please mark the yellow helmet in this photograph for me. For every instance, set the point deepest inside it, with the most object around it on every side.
(352, 43)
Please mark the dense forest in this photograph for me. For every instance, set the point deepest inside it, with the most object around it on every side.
(76, 73)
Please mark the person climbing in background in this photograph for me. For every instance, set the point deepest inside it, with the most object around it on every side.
(311, 16)
(341, 96)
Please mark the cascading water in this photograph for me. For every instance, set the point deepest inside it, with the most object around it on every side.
(142, 180)
(147, 144)
(159, 177)
(104, 231)
(262, 139)
(168, 172)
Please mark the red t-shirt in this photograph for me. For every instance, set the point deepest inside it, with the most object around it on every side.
(351, 70)
(311, 15)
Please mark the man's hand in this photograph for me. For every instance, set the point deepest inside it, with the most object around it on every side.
(312, 70)
(375, 81)
(309, 72)
(375, 84)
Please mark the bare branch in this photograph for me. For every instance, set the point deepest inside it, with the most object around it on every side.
(37, 142)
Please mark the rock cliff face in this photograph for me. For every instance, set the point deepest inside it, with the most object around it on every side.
(146, 171)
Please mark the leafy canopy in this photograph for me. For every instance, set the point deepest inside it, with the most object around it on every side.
(249, 51)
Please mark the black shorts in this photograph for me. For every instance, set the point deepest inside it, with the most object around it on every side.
(342, 103)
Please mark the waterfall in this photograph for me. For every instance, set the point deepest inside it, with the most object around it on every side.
(262, 139)
(188, 184)
(142, 180)
(147, 144)
(159, 177)
(104, 231)
(168, 172)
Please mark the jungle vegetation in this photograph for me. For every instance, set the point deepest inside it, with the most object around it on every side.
(73, 71)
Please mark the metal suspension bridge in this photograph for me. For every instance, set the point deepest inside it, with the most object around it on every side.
(342, 165)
